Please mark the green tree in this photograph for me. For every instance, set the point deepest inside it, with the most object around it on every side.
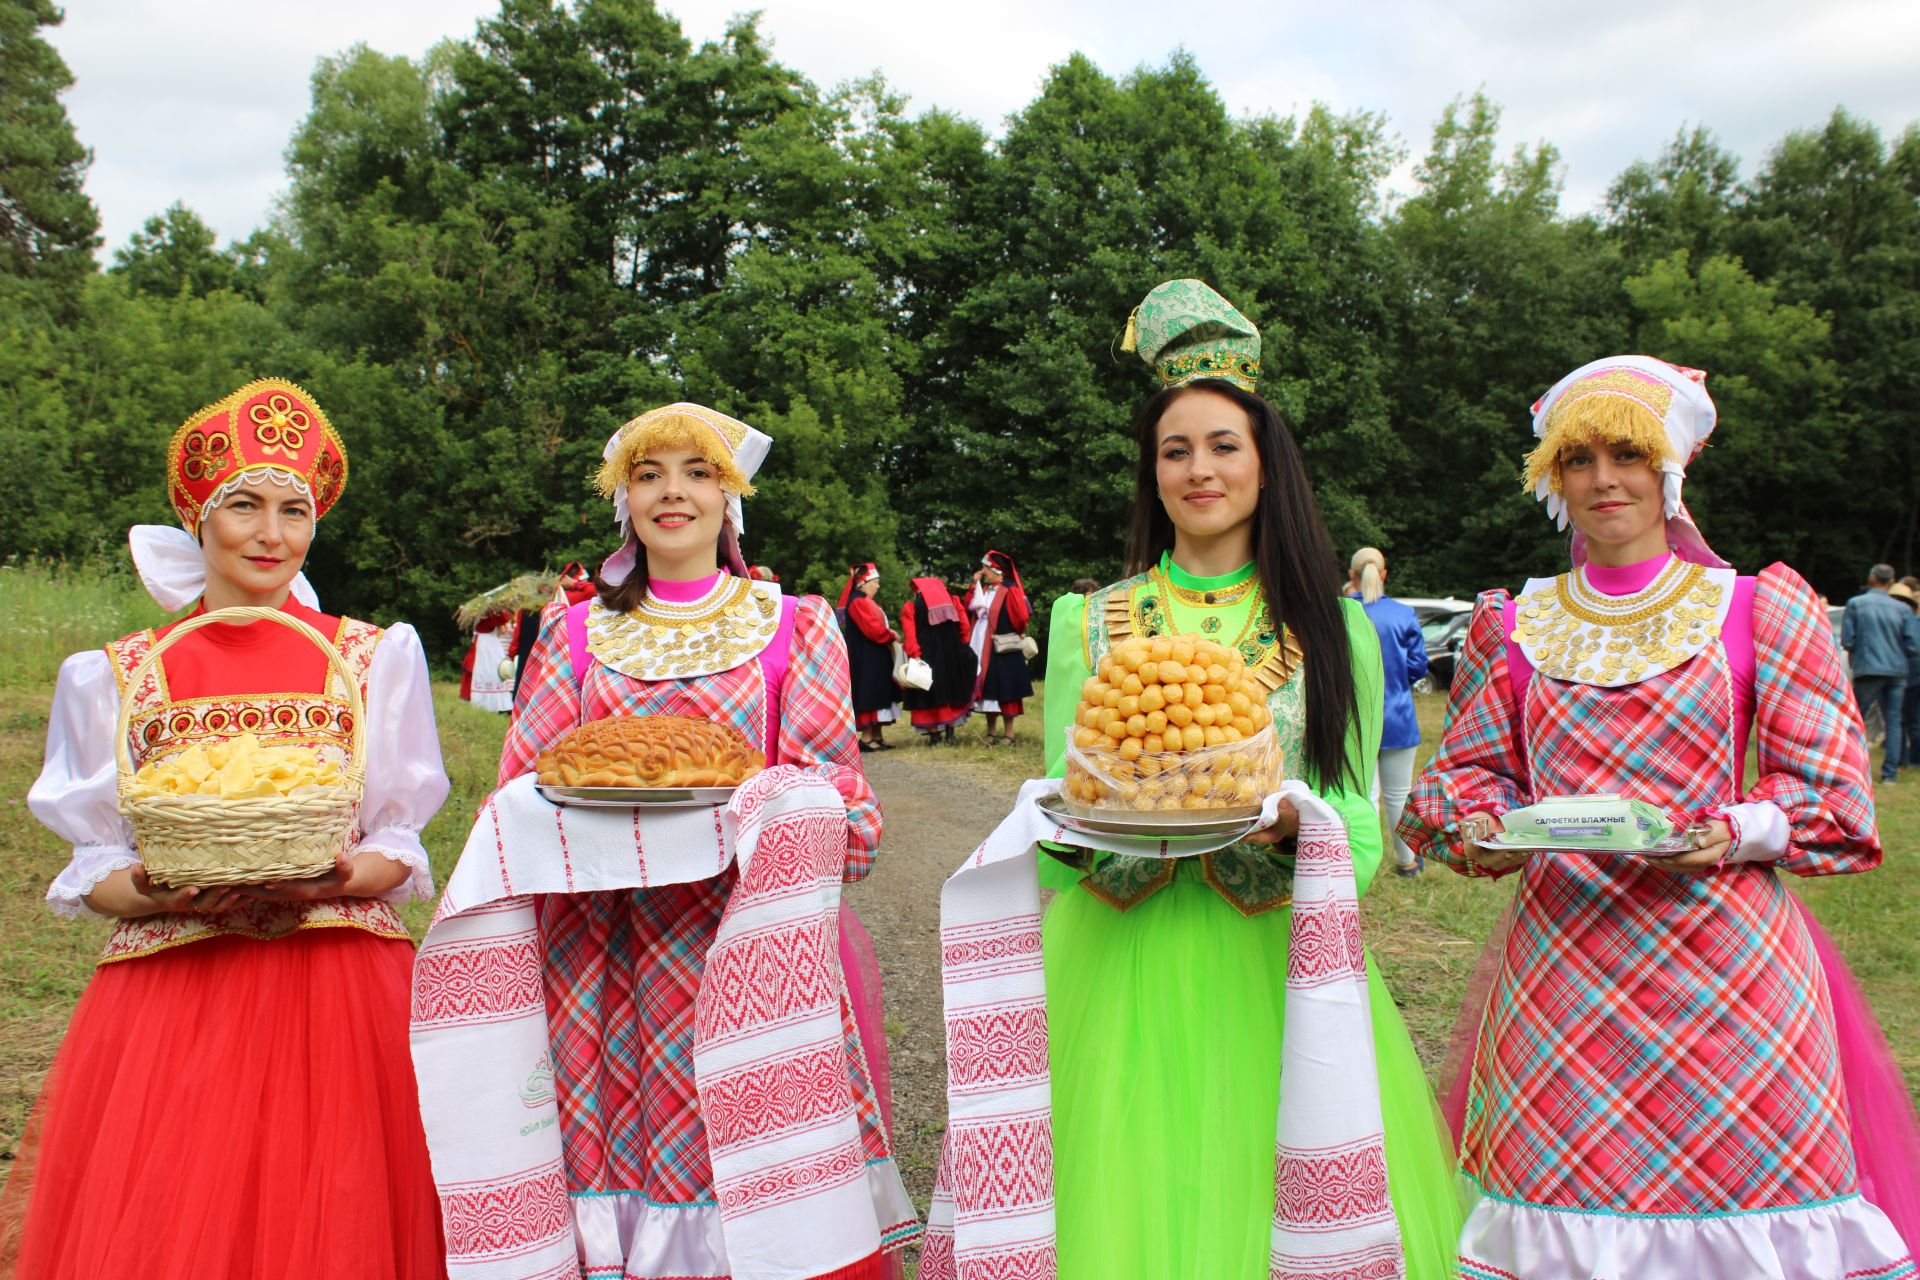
(1764, 489)
(173, 253)
(1684, 200)
(1101, 190)
(1498, 295)
(48, 227)
(1833, 223)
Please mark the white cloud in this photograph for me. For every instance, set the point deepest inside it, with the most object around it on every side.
(195, 100)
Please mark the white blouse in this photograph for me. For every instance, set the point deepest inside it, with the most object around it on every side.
(77, 791)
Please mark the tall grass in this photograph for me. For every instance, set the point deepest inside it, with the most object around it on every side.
(49, 609)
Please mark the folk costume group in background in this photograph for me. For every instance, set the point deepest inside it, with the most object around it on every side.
(505, 624)
(650, 1044)
(974, 644)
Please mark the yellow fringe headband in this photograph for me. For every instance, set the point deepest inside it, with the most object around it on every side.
(1615, 406)
(712, 434)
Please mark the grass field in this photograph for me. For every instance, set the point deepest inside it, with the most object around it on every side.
(1426, 932)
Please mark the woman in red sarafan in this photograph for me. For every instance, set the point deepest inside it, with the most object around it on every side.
(1671, 1074)
(234, 1097)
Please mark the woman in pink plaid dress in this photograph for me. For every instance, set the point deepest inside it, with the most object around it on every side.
(679, 628)
(1663, 1083)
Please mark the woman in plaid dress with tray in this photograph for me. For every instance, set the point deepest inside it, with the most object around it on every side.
(679, 628)
(1663, 1083)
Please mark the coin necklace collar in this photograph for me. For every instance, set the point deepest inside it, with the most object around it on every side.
(730, 623)
(1571, 631)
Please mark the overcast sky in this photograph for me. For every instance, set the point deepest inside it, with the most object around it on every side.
(194, 100)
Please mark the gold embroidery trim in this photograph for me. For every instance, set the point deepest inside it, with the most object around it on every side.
(378, 929)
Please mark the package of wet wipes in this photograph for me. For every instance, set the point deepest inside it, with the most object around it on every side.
(1589, 822)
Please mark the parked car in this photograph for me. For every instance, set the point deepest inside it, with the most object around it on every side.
(1443, 626)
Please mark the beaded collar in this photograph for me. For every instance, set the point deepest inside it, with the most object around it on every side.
(1138, 607)
(731, 623)
(1572, 632)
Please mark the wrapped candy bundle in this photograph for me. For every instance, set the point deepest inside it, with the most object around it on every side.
(1171, 722)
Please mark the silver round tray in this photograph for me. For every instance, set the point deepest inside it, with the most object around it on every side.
(1174, 825)
(637, 797)
(1679, 842)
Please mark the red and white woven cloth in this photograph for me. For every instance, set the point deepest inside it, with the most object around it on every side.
(797, 1195)
(992, 1211)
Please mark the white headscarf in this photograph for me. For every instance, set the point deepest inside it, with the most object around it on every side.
(1688, 419)
(173, 568)
(748, 455)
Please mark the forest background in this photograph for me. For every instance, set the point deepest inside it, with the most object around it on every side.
(488, 258)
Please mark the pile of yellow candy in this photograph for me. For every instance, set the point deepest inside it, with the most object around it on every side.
(237, 769)
(1172, 722)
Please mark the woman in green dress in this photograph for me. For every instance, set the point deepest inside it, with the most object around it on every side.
(1166, 978)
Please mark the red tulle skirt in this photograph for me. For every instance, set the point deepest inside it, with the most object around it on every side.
(233, 1110)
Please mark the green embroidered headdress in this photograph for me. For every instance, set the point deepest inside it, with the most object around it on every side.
(1184, 330)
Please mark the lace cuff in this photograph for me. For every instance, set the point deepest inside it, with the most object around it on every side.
(400, 842)
(67, 895)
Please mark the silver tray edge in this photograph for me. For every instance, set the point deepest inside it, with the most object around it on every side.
(637, 797)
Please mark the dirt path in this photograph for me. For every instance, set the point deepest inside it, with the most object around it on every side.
(937, 811)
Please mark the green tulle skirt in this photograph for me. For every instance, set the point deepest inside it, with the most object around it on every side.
(1165, 1025)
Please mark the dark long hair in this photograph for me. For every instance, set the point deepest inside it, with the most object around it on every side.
(632, 593)
(1293, 555)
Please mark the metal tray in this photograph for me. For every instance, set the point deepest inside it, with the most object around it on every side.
(637, 797)
(1192, 826)
(1679, 842)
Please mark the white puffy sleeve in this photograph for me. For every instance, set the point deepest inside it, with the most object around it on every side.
(77, 792)
(406, 783)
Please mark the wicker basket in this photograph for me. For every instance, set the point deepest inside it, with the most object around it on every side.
(210, 840)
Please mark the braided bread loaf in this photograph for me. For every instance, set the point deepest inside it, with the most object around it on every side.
(650, 751)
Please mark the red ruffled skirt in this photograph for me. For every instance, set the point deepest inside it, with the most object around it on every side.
(233, 1110)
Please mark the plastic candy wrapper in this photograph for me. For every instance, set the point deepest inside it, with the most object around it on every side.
(1171, 722)
(1589, 822)
(237, 769)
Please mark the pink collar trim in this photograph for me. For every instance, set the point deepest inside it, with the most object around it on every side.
(681, 592)
(1624, 579)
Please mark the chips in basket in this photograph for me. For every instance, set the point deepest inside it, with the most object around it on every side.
(1171, 722)
(237, 769)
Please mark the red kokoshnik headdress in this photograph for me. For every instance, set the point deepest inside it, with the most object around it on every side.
(269, 426)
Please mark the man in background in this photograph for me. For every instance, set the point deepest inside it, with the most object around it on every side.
(1879, 635)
